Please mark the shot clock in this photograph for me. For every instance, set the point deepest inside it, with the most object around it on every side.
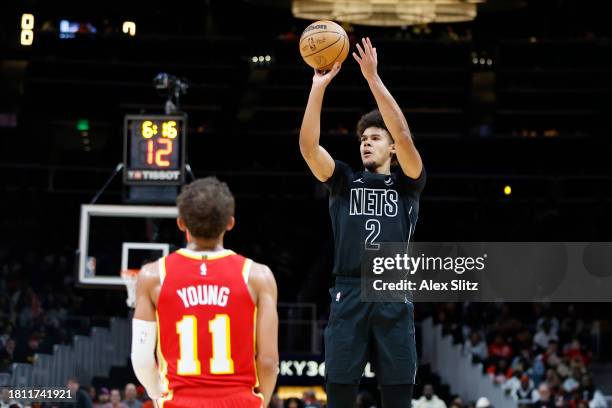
(154, 149)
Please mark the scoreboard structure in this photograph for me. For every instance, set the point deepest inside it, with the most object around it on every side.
(154, 150)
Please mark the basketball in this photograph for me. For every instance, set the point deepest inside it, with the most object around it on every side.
(323, 43)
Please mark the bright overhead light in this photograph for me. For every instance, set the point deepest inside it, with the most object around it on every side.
(129, 27)
(387, 12)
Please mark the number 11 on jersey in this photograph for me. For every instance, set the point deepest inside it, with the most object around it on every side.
(221, 361)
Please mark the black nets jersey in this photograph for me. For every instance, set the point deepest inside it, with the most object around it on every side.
(368, 208)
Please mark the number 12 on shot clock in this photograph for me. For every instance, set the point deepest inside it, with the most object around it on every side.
(154, 149)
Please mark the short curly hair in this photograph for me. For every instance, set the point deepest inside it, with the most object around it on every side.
(374, 119)
(206, 206)
(370, 119)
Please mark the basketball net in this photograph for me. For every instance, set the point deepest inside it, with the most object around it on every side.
(129, 277)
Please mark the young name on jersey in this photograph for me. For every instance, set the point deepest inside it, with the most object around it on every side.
(202, 295)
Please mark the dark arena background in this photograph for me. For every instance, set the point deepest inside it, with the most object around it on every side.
(510, 112)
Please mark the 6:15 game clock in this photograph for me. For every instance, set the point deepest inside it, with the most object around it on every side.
(154, 149)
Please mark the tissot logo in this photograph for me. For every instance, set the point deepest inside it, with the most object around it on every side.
(146, 175)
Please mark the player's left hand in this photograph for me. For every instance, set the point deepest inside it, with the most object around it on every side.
(367, 59)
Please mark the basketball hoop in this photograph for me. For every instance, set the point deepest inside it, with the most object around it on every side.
(129, 277)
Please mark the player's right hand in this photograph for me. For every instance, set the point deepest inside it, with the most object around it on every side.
(323, 78)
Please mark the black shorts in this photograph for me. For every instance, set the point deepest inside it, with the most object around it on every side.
(379, 332)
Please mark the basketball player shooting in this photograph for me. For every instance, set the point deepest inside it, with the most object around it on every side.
(357, 332)
(210, 313)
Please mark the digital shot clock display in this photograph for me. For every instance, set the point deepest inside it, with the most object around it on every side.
(154, 149)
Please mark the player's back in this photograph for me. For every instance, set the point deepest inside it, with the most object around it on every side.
(206, 320)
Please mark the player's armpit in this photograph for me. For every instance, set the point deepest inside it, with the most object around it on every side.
(262, 281)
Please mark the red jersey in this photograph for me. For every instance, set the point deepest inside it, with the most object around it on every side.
(206, 323)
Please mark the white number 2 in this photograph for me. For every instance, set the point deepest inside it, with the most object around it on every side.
(221, 361)
(372, 225)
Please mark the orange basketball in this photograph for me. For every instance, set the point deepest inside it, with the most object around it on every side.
(322, 43)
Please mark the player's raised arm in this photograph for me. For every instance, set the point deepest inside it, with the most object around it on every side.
(406, 152)
(318, 159)
(263, 285)
(144, 332)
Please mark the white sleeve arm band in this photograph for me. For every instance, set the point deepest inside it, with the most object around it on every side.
(144, 340)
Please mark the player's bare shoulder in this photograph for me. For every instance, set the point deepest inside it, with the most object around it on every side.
(261, 281)
(149, 273)
(149, 281)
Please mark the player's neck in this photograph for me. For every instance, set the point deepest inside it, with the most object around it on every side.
(384, 169)
(205, 245)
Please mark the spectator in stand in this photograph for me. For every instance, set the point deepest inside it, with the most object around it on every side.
(574, 350)
(457, 401)
(26, 355)
(7, 333)
(82, 397)
(543, 397)
(365, 400)
(513, 383)
(545, 335)
(552, 380)
(548, 320)
(429, 399)
(571, 324)
(505, 323)
(103, 398)
(5, 401)
(310, 399)
(476, 346)
(131, 396)
(7, 355)
(91, 391)
(293, 403)
(523, 340)
(572, 382)
(523, 361)
(483, 402)
(115, 400)
(24, 302)
(499, 348)
(525, 391)
(589, 393)
(275, 402)
(550, 356)
(500, 372)
(447, 318)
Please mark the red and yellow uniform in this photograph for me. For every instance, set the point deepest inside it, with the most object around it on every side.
(206, 323)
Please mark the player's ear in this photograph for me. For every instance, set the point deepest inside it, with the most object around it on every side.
(230, 223)
(181, 224)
